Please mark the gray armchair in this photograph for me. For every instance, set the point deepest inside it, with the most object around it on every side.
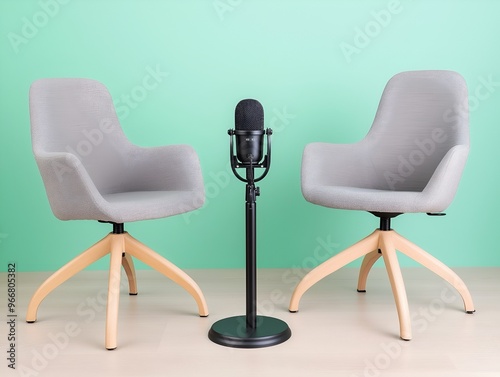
(411, 161)
(91, 171)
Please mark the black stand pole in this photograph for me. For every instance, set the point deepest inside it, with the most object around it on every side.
(252, 330)
(251, 250)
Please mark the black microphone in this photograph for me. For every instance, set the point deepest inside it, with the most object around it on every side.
(249, 131)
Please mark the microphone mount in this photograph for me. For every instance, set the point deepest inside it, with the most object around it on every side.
(235, 164)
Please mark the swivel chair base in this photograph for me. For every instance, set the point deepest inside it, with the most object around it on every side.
(122, 247)
(384, 243)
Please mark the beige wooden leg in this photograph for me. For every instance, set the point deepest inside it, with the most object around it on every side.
(353, 252)
(86, 258)
(117, 249)
(416, 253)
(156, 261)
(397, 283)
(368, 262)
(128, 266)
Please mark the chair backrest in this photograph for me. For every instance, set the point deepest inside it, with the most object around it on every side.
(77, 116)
(421, 116)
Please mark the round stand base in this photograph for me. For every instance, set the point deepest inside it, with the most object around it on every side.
(233, 332)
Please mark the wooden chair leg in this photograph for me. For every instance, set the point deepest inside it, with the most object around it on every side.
(353, 252)
(416, 253)
(156, 261)
(368, 262)
(122, 247)
(128, 266)
(117, 249)
(397, 284)
(86, 258)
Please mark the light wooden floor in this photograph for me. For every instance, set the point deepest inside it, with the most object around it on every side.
(337, 332)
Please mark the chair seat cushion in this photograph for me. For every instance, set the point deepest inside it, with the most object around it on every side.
(371, 200)
(144, 205)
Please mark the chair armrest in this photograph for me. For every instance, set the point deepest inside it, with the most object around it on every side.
(170, 167)
(71, 192)
(327, 164)
(443, 185)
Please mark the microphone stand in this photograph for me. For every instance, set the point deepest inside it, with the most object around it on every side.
(251, 330)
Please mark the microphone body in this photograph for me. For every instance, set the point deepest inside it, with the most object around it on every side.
(249, 134)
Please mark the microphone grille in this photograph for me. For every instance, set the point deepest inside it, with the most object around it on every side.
(249, 115)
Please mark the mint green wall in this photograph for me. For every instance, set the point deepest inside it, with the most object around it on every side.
(177, 70)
